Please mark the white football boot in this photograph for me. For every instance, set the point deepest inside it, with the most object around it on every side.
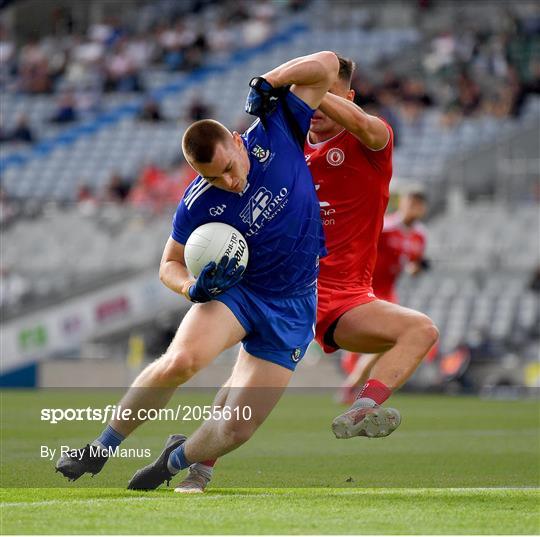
(371, 421)
(198, 477)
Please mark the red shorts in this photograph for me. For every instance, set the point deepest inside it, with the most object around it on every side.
(332, 304)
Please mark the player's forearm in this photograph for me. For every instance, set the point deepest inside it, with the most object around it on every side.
(369, 129)
(175, 276)
(304, 71)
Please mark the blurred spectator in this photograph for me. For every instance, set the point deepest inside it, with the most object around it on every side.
(66, 111)
(84, 65)
(85, 195)
(533, 84)
(117, 190)
(387, 110)
(151, 111)
(534, 284)
(236, 11)
(221, 39)
(177, 42)
(365, 93)
(33, 68)
(142, 50)
(9, 208)
(13, 287)
(7, 55)
(143, 193)
(259, 26)
(22, 131)
(297, 5)
(88, 98)
(469, 95)
(156, 188)
(198, 110)
(112, 57)
(414, 89)
(121, 71)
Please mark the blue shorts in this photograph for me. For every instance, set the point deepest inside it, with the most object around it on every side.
(279, 330)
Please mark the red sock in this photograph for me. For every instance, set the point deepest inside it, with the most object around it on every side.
(210, 462)
(376, 390)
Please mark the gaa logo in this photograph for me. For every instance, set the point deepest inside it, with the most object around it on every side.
(335, 156)
(295, 355)
(217, 211)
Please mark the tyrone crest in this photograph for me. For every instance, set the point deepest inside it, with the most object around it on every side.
(335, 156)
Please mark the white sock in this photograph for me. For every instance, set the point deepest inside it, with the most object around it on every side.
(205, 471)
(364, 402)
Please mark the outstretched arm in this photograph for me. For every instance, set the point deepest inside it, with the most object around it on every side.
(370, 130)
(310, 76)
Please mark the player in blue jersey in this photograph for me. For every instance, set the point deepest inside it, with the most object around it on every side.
(259, 183)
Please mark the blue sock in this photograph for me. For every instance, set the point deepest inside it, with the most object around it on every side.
(109, 438)
(177, 460)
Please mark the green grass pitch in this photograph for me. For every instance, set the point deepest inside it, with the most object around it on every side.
(456, 465)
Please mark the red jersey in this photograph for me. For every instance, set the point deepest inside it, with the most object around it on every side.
(352, 184)
(398, 245)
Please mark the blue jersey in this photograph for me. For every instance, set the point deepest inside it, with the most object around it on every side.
(278, 211)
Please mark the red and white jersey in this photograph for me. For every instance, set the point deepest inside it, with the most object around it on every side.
(352, 184)
(398, 245)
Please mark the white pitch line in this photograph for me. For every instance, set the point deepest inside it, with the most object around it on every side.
(218, 496)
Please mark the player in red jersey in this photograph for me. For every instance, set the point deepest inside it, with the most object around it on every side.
(350, 156)
(401, 247)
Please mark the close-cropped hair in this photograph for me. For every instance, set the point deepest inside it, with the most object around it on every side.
(346, 69)
(200, 140)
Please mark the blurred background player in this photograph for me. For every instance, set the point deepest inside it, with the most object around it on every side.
(401, 246)
(350, 156)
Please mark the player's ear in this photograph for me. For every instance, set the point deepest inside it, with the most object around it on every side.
(350, 95)
(237, 139)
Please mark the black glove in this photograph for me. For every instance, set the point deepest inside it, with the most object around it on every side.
(216, 279)
(262, 98)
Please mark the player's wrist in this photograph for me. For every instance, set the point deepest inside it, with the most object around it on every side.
(261, 83)
(186, 286)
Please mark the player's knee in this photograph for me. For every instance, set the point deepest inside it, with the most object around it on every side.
(179, 366)
(427, 332)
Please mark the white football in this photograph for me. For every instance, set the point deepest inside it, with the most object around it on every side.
(210, 242)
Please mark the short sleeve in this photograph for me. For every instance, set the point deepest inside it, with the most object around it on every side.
(381, 157)
(301, 111)
(182, 224)
(292, 108)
